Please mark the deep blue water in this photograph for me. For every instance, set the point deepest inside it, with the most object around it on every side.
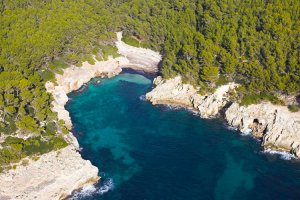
(147, 152)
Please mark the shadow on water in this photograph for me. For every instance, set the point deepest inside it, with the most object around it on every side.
(233, 179)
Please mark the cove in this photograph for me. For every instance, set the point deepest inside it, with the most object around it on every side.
(147, 152)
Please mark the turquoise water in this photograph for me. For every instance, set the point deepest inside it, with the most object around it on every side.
(147, 152)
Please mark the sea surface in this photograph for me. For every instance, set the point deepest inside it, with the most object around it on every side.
(147, 152)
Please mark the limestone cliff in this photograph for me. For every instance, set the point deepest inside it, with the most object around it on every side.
(74, 77)
(56, 174)
(276, 126)
(174, 92)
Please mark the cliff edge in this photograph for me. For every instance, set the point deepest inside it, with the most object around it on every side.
(276, 127)
(57, 174)
(53, 176)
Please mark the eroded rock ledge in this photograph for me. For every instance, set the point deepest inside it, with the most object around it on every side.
(56, 174)
(276, 126)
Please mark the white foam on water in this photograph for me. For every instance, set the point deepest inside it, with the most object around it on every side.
(173, 107)
(231, 128)
(281, 154)
(84, 192)
(248, 131)
(193, 111)
(107, 186)
(92, 190)
(143, 98)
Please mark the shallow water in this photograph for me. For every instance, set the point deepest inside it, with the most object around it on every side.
(147, 152)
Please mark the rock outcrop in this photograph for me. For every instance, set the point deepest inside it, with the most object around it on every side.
(74, 77)
(171, 92)
(54, 176)
(174, 92)
(210, 105)
(276, 126)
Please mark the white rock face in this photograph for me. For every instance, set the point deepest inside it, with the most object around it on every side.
(54, 176)
(60, 99)
(276, 125)
(210, 105)
(139, 58)
(174, 92)
(73, 78)
(278, 128)
(171, 91)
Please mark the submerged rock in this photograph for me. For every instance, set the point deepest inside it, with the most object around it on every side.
(276, 126)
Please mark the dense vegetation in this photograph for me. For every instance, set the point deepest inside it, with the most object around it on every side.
(38, 38)
(255, 43)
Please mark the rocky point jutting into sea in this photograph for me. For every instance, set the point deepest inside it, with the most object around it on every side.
(56, 175)
(276, 126)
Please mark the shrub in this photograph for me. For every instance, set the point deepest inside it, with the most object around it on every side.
(51, 128)
(251, 98)
(47, 75)
(35, 158)
(109, 50)
(91, 60)
(14, 149)
(128, 39)
(222, 81)
(25, 162)
(293, 108)
(59, 143)
(64, 130)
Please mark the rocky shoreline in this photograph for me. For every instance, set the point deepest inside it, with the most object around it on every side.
(276, 127)
(53, 176)
(57, 174)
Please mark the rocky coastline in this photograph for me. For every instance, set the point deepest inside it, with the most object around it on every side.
(276, 127)
(57, 174)
(53, 176)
